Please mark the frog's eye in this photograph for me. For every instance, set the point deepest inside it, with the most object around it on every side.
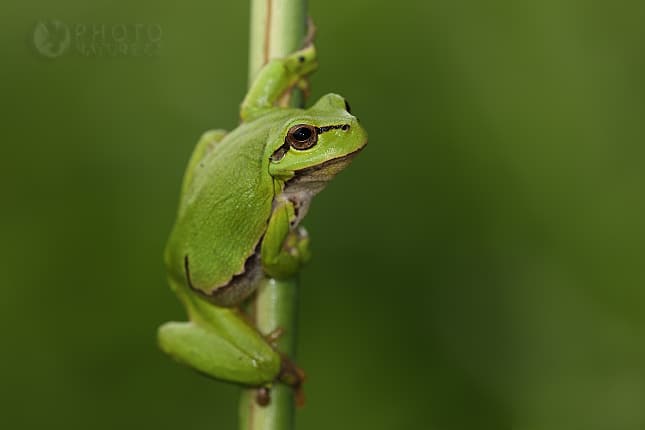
(302, 136)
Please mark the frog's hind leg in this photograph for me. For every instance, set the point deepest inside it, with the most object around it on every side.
(218, 342)
(211, 353)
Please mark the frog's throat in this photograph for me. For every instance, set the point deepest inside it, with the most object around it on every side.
(315, 178)
(308, 182)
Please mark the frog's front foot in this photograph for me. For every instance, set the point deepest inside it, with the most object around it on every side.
(297, 245)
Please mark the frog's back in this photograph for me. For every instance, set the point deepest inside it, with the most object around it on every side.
(223, 213)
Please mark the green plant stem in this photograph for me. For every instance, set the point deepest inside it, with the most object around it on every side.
(277, 29)
(275, 308)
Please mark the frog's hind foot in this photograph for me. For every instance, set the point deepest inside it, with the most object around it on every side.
(293, 376)
(273, 337)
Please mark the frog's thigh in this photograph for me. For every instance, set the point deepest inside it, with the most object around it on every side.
(209, 352)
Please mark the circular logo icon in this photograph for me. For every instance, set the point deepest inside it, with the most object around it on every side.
(51, 38)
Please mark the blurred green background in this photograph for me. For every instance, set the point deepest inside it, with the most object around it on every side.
(479, 266)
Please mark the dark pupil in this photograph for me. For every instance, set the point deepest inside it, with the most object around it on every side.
(302, 134)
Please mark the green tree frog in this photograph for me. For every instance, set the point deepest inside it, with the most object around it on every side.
(243, 196)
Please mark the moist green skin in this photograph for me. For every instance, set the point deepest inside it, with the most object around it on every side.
(243, 197)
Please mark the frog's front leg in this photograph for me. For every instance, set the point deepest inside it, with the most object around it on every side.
(277, 78)
(285, 246)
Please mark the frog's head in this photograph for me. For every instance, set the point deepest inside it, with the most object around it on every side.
(315, 144)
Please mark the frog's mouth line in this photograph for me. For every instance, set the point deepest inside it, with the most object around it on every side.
(345, 159)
